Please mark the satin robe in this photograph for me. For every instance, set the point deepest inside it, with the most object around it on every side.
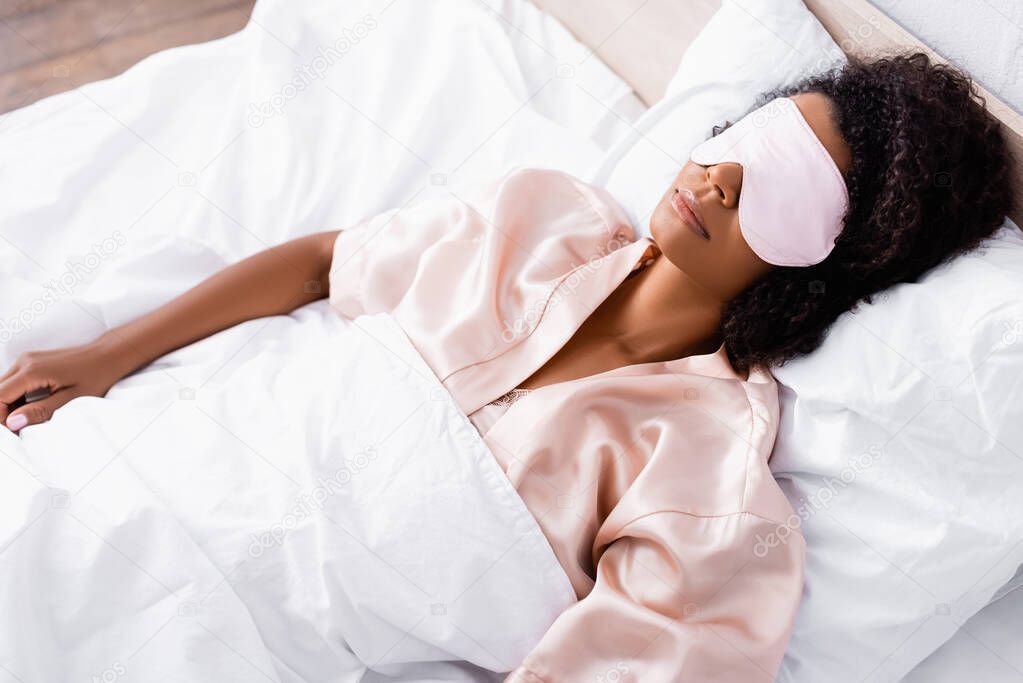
(650, 481)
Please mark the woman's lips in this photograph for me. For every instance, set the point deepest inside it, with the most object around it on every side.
(684, 202)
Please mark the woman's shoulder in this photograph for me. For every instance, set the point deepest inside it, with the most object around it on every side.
(561, 190)
(538, 174)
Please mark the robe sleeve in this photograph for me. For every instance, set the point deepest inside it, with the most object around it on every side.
(374, 262)
(679, 598)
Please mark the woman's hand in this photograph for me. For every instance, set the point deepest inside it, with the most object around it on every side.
(86, 370)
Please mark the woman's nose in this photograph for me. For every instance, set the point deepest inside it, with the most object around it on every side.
(726, 179)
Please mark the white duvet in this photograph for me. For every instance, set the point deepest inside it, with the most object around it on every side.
(118, 195)
(314, 509)
(290, 499)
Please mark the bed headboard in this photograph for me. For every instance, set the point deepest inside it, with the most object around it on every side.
(643, 41)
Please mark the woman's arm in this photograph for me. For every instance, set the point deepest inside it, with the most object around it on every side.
(272, 282)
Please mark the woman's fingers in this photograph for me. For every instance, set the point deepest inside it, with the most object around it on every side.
(23, 382)
(9, 387)
(10, 372)
(38, 411)
(12, 392)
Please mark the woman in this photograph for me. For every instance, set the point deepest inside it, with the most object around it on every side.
(623, 386)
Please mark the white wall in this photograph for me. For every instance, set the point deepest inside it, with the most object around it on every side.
(983, 37)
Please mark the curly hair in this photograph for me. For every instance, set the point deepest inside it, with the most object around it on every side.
(931, 177)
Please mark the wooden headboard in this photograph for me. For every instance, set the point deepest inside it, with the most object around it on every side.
(643, 41)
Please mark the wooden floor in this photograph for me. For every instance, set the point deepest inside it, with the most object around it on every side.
(48, 46)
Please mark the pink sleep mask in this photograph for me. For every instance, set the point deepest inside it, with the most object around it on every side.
(793, 196)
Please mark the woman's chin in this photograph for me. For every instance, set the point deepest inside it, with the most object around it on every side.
(666, 226)
(661, 225)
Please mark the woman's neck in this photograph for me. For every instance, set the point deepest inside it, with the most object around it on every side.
(660, 314)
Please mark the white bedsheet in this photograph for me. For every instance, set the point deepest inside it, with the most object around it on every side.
(986, 648)
(117, 534)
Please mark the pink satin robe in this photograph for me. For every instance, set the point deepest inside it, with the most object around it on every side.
(650, 481)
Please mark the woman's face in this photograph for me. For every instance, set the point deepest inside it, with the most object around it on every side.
(721, 261)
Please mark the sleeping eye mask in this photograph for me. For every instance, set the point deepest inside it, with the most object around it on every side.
(793, 196)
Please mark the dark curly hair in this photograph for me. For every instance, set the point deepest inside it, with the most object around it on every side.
(931, 177)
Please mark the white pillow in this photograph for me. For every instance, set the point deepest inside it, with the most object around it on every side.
(747, 47)
(901, 448)
(985, 649)
(859, 611)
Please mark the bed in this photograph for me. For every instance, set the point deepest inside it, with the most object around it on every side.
(119, 201)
